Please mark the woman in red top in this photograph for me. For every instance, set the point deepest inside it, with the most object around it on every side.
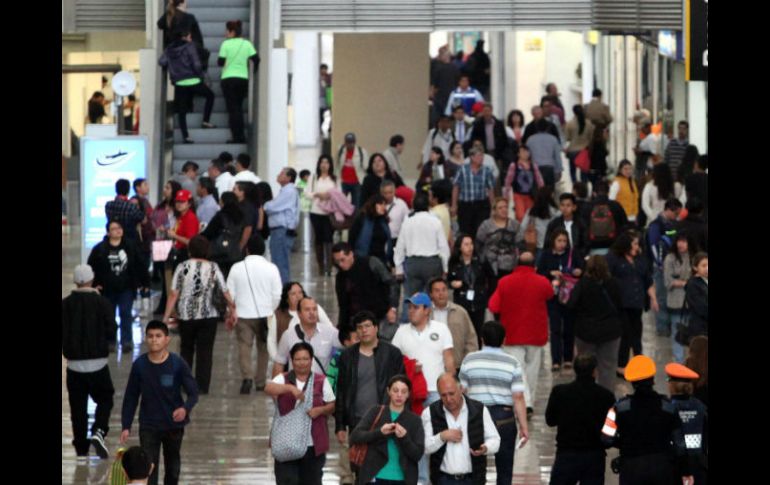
(187, 224)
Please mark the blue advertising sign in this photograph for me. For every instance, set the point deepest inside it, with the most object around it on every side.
(103, 162)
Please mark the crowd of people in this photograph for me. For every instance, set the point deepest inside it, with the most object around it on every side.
(420, 388)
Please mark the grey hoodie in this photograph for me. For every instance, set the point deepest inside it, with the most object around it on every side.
(182, 61)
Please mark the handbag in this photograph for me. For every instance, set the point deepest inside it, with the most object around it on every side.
(288, 436)
(160, 250)
(567, 283)
(357, 452)
(583, 160)
(343, 225)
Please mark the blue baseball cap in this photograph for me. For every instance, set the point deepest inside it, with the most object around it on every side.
(420, 299)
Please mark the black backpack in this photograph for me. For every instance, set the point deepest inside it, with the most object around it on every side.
(501, 252)
(601, 227)
(226, 246)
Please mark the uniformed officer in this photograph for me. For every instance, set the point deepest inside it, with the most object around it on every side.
(646, 428)
(694, 416)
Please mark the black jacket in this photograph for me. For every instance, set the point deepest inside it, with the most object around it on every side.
(477, 275)
(87, 323)
(635, 279)
(618, 214)
(578, 230)
(479, 132)
(134, 275)
(697, 300)
(388, 362)
(550, 261)
(530, 130)
(410, 447)
(182, 60)
(579, 409)
(596, 308)
(367, 285)
(696, 227)
(181, 23)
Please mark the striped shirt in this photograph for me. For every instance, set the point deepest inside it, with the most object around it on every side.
(491, 376)
(674, 154)
(473, 186)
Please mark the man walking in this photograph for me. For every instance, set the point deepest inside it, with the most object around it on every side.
(473, 193)
(283, 216)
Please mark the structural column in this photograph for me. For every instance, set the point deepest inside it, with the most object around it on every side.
(305, 88)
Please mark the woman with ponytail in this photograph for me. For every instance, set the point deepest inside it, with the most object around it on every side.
(579, 133)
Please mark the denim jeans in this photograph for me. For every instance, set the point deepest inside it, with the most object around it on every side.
(677, 350)
(662, 319)
(507, 431)
(354, 189)
(171, 439)
(123, 302)
(280, 250)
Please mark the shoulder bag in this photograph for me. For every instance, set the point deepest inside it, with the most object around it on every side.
(568, 283)
(288, 435)
(357, 452)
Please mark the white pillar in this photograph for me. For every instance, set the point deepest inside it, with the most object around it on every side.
(510, 74)
(277, 126)
(305, 88)
(149, 79)
(497, 74)
(679, 92)
(588, 70)
(696, 115)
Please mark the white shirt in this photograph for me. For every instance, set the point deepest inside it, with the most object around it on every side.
(568, 228)
(397, 214)
(653, 205)
(224, 183)
(442, 140)
(328, 397)
(489, 161)
(265, 282)
(440, 314)
(421, 235)
(247, 176)
(318, 186)
(457, 457)
(324, 340)
(427, 347)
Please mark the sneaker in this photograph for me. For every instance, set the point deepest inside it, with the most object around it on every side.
(246, 386)
(206, 124)
(97, 440)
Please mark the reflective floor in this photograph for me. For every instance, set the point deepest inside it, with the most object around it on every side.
(226, 441)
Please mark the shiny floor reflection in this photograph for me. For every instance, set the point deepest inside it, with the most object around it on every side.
(226, 441)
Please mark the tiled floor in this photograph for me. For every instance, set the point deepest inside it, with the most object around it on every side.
(226, 442)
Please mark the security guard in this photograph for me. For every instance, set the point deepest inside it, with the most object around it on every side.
(694, 416)
(646, 428)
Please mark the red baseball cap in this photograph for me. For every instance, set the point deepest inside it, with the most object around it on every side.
(183, 196)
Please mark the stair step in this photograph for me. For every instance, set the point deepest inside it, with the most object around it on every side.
(198, 4)
(219, 105)
(221, 120)
(217, 28)
(200, 135)
(220, 14)
(206, 150)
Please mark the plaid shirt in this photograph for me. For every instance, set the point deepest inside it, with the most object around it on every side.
(126, 213)
(473, 185)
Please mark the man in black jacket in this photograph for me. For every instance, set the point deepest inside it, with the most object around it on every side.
(363, 284)
(568, 220)
(364, 371)
(578, 410)
(491, 131)
(531, 128)
(87, 320)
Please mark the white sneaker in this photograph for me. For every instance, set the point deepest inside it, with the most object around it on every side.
(97, 440)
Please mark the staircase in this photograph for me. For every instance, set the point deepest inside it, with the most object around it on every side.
(212, 16)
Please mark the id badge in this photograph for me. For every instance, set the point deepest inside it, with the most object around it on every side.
(469, 295)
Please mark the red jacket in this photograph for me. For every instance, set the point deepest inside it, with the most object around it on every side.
(524, 314)
(419, 385)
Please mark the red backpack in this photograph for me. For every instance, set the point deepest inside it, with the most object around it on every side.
(602, 224)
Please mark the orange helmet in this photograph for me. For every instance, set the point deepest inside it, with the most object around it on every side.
(639, 368)
(677, 371)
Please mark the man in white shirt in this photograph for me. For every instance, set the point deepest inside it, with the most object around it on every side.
(243, 174)
(441, 137)
(459, 434)
(427, 341)
(323, 338)
(397, 209)
(423, 246)
(255, 286)
(222, 178)
(207, 205)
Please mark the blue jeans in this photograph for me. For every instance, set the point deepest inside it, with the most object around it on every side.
(677, 350)
(355, 189)
(507, 431)
(280, 250)
(123, 302)
(662, 320)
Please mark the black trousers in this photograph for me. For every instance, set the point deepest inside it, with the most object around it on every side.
(470, 215)
(308, 470)
(657, 469)
(80, 385)
(151, 440)
(571, 467)
(235, 90)
(322, 228)
(197, 339)
(184, 103)
(549, 175)
(631, 338)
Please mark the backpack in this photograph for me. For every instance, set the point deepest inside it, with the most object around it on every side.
(226, 246)
(500, 251)
(601, 227)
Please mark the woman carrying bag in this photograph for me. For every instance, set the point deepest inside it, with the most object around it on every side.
(390, 438)
(300, 435)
